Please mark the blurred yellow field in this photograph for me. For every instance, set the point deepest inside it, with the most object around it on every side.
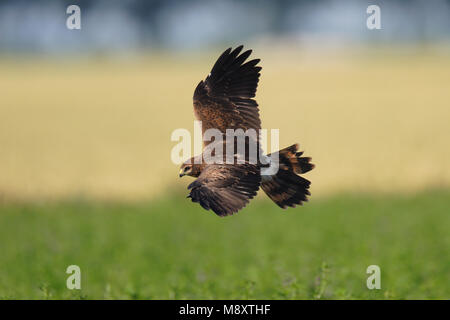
(101, 128)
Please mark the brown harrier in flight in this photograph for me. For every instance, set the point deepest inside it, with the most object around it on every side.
(224, 101)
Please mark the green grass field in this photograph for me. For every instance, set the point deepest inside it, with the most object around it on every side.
(172, 249)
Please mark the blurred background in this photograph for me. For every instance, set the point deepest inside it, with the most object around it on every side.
(89, 112)
(86, 118)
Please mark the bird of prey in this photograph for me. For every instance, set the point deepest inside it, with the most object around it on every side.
(224, 100)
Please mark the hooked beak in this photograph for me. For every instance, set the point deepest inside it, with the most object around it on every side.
(181, 173)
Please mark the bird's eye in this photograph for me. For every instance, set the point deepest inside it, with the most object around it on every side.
(186, 169)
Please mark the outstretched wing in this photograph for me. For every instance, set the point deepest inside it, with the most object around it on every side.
(224, 99)
(225, 189)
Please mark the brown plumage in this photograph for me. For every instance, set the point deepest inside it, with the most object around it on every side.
(224, 101)
(287, 188)
(225, 188)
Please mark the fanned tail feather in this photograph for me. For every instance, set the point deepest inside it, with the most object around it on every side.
(286, 188)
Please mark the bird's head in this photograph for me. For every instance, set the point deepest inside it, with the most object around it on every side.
(189, 168)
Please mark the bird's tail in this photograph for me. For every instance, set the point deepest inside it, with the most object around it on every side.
(286, 188)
